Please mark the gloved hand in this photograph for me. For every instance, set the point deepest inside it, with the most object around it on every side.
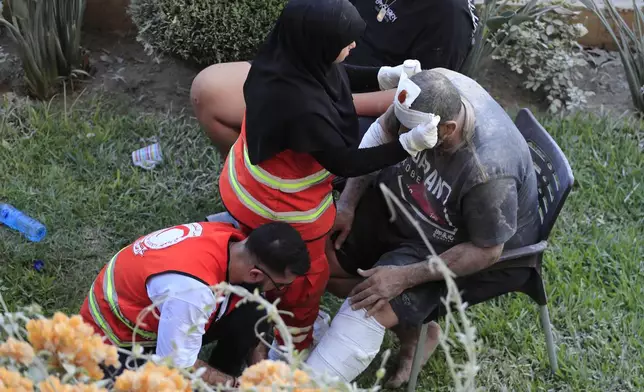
(421, 137)
(388, 77)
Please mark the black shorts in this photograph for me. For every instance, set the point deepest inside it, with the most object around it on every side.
(373, 241)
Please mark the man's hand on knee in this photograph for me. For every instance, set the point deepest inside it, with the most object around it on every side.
(382, 284)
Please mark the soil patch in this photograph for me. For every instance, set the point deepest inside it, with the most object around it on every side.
(121, 69)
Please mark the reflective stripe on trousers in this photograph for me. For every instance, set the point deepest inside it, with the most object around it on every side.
(262, 210)
(282, 184)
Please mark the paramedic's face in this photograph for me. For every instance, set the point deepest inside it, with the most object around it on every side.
(271, 281)
(345, 52)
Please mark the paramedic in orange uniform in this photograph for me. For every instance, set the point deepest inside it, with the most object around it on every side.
(174, 269)
(299, 130)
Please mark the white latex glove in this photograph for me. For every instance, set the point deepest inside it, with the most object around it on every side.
(421, 137)
(388, 77)
(376, 134)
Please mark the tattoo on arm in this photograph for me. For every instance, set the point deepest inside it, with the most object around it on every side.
(463, 259)
(354, 190)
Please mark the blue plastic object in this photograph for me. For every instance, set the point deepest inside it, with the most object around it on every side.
(39, 265)
(29, 227)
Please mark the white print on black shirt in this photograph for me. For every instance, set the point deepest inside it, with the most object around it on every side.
(390, 15)
(430, 192)
(475, 19)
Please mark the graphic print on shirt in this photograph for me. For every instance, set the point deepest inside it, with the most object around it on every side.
(164, 238)
(427, 193)
(390, 15)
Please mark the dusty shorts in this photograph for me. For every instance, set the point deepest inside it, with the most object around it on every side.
(373, 241)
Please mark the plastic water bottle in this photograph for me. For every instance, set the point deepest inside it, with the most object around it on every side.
(12, 217)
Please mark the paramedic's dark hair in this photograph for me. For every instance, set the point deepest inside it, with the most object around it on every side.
(279, 247)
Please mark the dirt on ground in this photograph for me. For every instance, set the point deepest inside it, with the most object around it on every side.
(121, 69)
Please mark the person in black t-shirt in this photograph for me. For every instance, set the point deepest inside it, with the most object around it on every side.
(438, 33)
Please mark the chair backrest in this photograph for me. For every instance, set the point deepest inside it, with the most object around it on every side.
(554, 175)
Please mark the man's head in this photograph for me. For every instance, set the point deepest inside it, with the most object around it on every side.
(439, 96)
(270, 258)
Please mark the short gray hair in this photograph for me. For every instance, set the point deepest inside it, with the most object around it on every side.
(438, 95)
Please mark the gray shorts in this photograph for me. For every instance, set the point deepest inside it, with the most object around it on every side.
(374, 242)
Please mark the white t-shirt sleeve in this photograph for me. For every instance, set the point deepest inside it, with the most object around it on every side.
(185, 305)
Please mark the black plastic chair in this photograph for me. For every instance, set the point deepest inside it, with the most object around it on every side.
(554, 180)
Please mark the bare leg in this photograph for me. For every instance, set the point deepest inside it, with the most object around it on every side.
(218, 101)
(341, 287)
(258, 354)
(408, 337)
(341, 282)
(217, 98)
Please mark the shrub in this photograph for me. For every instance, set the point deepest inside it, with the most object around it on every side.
(547, 52)
(205, 31)
(47, 34)
(630, 43)
(489, 37)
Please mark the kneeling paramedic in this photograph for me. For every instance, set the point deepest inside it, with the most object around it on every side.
(173, 269)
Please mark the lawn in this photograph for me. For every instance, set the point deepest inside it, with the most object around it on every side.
(71, 168)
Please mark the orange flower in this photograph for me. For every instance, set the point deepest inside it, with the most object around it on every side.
(152, 378)
(267, 375)
(53, 384)
(72, 341)
(14, 382)
(19, 351)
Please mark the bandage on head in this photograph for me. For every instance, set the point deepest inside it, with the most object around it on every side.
(406, 94)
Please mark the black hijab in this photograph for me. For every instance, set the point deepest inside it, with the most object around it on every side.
(296, 97)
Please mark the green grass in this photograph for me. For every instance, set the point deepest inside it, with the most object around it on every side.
(94, 201)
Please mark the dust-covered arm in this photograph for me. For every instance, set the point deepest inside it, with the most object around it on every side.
(490, 211)
(463, 259)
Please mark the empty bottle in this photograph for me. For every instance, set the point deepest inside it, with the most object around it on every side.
(12, 217)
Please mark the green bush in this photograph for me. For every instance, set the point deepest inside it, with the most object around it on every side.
(205, 31)
(47, 35)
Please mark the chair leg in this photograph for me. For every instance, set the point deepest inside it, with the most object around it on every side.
(418, 359)
(550, 344)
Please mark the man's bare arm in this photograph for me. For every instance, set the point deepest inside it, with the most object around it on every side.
(463, 259)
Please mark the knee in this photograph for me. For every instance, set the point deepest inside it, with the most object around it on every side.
(339, 287)
(203, 85)
(433, 330)
(387, 317)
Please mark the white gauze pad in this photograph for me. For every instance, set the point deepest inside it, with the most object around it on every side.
(407, 92)
(349, 346)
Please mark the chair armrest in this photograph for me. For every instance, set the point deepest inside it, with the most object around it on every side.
(529, 250)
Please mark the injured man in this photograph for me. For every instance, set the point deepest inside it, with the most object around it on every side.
(474, 194)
